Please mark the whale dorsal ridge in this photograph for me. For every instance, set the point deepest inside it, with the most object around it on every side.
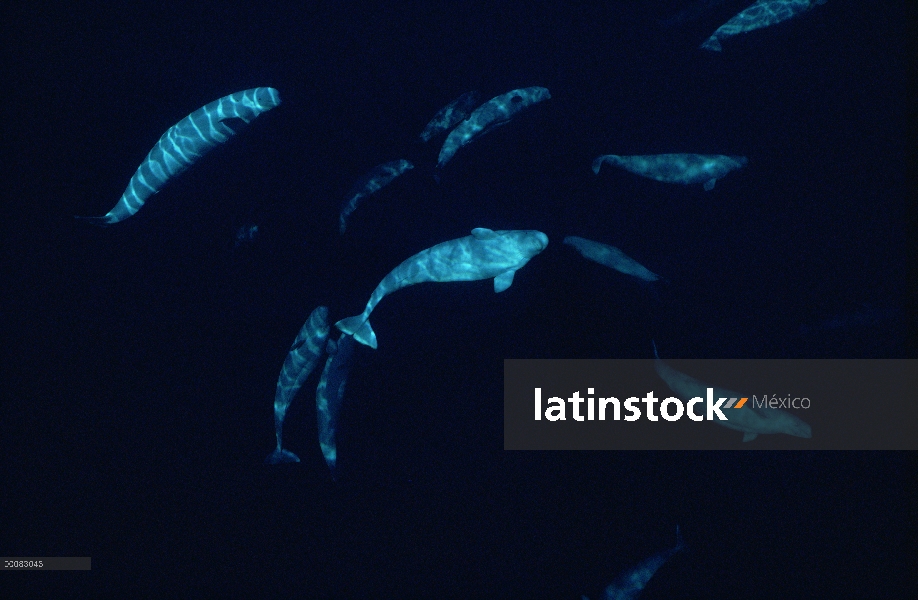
(483, 233)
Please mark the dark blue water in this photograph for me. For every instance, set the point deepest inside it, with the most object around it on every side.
(139, 361)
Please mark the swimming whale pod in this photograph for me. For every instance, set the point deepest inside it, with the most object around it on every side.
(451, 114)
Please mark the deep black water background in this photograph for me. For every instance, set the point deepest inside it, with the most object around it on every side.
(139, 361)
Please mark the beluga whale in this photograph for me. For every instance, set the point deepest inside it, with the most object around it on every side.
(686, 169)
(245, 234)
(495, 112)
(482, 255)
(330, 395)
(611, 257)
(630, 584)
(377, 178)
(302, 358)
(186, 142)
(749, 419)
(763, 13)
(451, 114)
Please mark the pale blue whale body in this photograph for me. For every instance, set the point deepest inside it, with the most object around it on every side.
(246, 234)
(482, 255)
(304, 354)
(330, 395)
(495, 112)
(448, 116)
(749, 419)
(377, 178)
(686, 169)
(611, 257)
(184, 143)
(630, 584)
(761, 14)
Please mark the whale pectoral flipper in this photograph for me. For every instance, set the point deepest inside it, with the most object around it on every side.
(503, 281)
(709, 184)
(748, 437)
(235, 124)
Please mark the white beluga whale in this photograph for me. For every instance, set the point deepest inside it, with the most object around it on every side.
(377, 178)
(763, 13)
(246, 234)
(330, 395)
(686, 169)
(302, 358)
(749, 419)
(184, 143)
(482, 255)
(630, 584)
(611, 257)
(451, 114)
(495, 112)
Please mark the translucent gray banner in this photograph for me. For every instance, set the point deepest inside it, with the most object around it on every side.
(710, 404)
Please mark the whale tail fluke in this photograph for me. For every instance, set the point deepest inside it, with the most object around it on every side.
(360, 328)
(281, 456)
(331, 458)
(99, 221)
(712, 43)
(597, 164)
